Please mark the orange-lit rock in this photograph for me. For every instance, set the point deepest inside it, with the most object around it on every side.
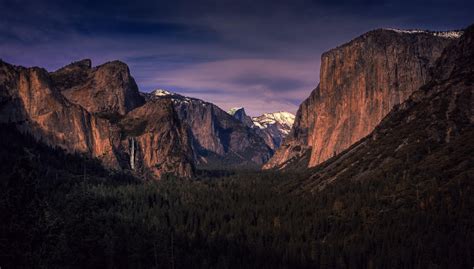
(107, 89)
(29, 100)
(33, 100)
(360, 82)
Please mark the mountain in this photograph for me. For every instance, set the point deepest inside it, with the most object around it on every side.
(107, 89)
(156, 141)
(240, 114)
(427, 140)
(218, 140)
(360, 82)
(272, 127)
(29, 99)
(89, 111)
(100, 112)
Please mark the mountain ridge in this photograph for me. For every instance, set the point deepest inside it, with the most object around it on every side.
(91, 110)
(272, 127)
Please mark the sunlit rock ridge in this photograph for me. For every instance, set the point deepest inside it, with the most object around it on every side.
(360, 82)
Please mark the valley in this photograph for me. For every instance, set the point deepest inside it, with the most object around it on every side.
(374, 171)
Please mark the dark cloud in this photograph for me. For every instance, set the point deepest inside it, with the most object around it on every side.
(230, 52)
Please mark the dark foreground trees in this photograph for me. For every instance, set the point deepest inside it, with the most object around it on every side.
(59, 210)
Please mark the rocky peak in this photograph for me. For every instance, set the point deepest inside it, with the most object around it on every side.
(107, 89)
(72, 74)
(360, 82)
(240, 115)
(273, 127)
(235, 110)
(161, 92)
(85, 63)
(285, 119)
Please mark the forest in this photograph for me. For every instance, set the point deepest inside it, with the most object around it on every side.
(59, 210)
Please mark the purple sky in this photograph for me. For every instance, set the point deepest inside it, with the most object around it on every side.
(263, 55)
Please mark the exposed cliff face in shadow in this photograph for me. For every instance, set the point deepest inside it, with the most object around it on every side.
(218, 140)
(156, 141)
(360, 82)
(271, 127)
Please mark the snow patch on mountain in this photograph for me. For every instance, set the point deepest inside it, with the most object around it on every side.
(233, 110)
(161, 92)
(175, 97)
(445, 34)
(272, 127)
(282, 117)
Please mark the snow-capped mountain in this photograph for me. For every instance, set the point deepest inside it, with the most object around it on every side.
(284, 120)
(272, 127)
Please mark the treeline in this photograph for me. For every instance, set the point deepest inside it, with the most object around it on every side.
(59, 210)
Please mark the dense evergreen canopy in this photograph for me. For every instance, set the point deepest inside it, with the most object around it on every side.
(59, 210)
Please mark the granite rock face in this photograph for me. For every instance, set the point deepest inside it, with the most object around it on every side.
(89, 111)
(29, 100)
(218, 139)
(360, 82)
(271, 127)
(432, 131)
(99, 112)
(240, 114)
(155, 140)
(108, 89)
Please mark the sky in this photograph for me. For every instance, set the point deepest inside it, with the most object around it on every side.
(262, 55)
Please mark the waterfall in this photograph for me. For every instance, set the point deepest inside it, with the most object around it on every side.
(132, 153)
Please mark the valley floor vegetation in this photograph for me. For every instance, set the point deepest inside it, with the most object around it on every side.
(59, 210)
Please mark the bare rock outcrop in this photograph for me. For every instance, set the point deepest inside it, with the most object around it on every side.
(218, 139)
(156, 141)
(91, 111)
(29, 100)
(107, 90)
(427, 138)
(360, 82)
